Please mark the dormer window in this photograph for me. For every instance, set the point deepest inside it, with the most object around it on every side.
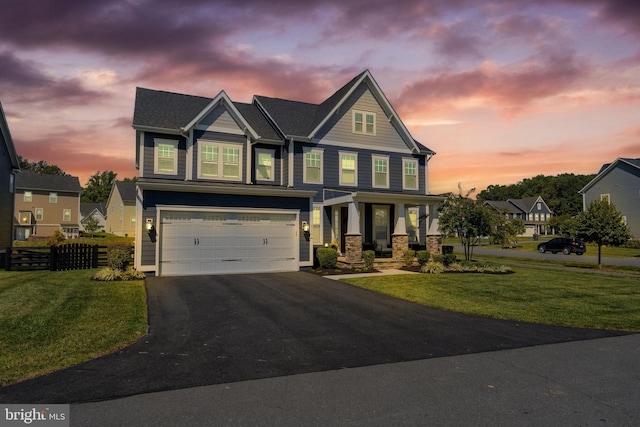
(364, 122)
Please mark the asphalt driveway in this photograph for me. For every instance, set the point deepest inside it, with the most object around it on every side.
(208, 330)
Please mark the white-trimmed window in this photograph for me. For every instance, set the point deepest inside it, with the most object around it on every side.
(53, 197)
(132, 222)
(380, 169)
(312, 166)
(39, 214)
(364, 122)
(66, 215)
(316, 225)
(166, 157)
(410, 174)
(28, 196)
(219, 161)
(348, 168)
(265, 164)
(606, 197)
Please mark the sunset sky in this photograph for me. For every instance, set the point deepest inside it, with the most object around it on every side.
(500, 90)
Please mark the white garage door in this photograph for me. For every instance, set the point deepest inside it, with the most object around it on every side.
(227, 242)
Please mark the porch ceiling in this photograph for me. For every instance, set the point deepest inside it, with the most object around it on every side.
(382, 198)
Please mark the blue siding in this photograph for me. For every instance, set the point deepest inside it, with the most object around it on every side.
(331, 171)
(218, 137)
(149, 158)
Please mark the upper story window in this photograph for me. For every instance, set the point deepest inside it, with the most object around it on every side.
(53, 197)
(539, 206)
(410, 174)
(66, 215)
(39, 214)
(219, 161)
(364, 122)
(265, 164)
(312, 166)
(28, 196)
(166, 157)
(348, 168)
(605, 197)
(380, 167)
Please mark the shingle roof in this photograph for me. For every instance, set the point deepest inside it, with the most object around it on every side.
(127, 190)
(86, 208)
(173, 111)
(504, 206)
(29, 180)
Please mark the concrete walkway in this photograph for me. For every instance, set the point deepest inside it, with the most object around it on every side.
(581, 383)
(390, 272)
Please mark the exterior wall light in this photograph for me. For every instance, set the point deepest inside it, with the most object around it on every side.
(305, 226)
(149, 225)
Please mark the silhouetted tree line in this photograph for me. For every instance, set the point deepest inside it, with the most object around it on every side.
(559, 192)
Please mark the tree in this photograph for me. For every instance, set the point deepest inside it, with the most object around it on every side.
(467, 219)
(603, 225)
(98, 187)
(41, 167)
(91, 225)
(515, 228)
(565, 225)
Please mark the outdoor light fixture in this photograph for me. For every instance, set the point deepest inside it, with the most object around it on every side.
(149, 224)
(305, 226)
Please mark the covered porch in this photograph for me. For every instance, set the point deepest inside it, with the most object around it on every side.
(387, 223)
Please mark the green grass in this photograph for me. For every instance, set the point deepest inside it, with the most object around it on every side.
(530, 295)
(53, 320)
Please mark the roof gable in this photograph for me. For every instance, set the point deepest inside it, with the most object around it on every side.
(608, 167)
(222, 99)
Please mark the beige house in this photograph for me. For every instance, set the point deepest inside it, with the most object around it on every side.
(121, 209)
(46, 203)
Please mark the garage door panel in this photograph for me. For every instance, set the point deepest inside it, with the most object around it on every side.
(209, 243)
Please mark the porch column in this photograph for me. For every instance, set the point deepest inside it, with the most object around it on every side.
(433, 238)
(399, 238)
(353, 237)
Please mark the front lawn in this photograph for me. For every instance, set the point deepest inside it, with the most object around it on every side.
(530, 295)
(53, 320)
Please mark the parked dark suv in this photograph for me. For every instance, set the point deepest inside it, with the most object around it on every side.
(564, 245)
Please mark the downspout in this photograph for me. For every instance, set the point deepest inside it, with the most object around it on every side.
(291, 154)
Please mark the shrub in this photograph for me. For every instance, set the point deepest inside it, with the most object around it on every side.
(327, 257)
(56, 238)
(437, 258)
(118, 255)
(109, 275)
(448, 259)
(423, 257)
(368, 257)
(446, 250)
(409, 255)
(432, 267)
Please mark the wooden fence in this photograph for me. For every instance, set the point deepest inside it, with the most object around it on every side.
(74, 256)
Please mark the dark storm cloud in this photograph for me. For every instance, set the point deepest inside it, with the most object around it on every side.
(25, 80)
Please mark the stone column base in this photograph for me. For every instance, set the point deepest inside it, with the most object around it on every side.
(434, 244)
(399, 244)
(353, 248)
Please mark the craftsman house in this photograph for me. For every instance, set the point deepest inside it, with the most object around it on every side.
(45, 203)
(227, 187)
(533, 211)
(618, 182)
(9, 166)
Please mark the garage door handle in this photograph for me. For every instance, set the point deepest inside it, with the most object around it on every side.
(265, 241)
(196, 242)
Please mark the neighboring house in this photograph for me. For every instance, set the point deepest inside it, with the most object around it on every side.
(228, 187)
(95, 210)
(121, 209)
(618, 182)
(533, 211)
(9, 165)
(45, 203)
